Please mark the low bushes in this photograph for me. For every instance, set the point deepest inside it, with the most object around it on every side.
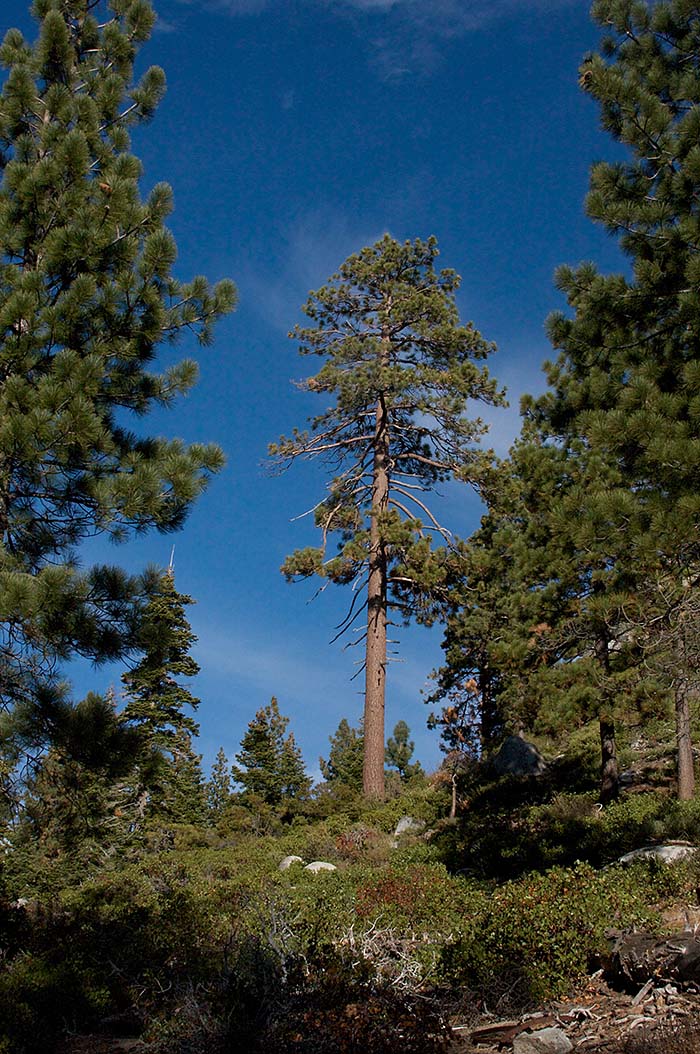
(539, 935)
(207, 943)
(499, 836)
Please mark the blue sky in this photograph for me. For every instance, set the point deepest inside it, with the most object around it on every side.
(293, 133)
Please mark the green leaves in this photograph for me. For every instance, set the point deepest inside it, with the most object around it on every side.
(87, 297)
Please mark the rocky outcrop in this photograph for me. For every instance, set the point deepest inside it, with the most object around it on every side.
(544, 1041)
(667, 854)
(517, 757)
(409, 825)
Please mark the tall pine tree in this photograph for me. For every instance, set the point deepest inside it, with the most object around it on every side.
(627, 379)
(219, 785)
(401, 370)
(87, 296)
(534, 638)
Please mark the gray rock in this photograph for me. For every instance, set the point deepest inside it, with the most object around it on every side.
(517, 757)
(667, 854)
(409, 825)
(544, 1041)
(320, 865)
(288, 861)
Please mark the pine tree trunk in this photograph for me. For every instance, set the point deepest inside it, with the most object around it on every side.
(609, 772)
(684, 743)
(375, 659)
(686, 771)
(453, 803)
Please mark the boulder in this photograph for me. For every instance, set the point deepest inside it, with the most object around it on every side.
(666, 854)
(320, 865)
(409, 825)
(288, 861)
(517, 757)
(544, 1041)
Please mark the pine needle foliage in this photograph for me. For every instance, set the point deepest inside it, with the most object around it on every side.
(218, 787)
(399, 751)
(625, 385)
(269, 763)
(160, 706)
(87, 297)
(344, 764)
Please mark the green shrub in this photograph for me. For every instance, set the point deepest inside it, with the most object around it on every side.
(507, 831)
(540, 933)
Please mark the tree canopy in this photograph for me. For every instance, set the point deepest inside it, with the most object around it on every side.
(269, 763)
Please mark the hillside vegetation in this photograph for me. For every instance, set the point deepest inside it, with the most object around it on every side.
(193, 939)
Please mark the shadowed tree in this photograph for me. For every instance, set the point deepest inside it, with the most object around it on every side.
(81, 801)
(534, 637)
(400, 371)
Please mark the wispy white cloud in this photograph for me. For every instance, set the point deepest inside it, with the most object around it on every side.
(310, 250)
(163, 26)
(523, 375)
(411, 34)
(403, 35)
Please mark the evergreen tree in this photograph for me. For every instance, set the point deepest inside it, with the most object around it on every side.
(482, 577)
(533, 639)
(270, 764)
(186, 789)
(627, 377)
(219, 785)
(81, 802)
(157, 705)
(345, 760)
(86, 298)
(399, 751)
(401, 369)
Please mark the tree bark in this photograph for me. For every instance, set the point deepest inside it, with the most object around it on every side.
(375, 658)
(453, 803)
(684, 742)
(686, 770)
(609, 772)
